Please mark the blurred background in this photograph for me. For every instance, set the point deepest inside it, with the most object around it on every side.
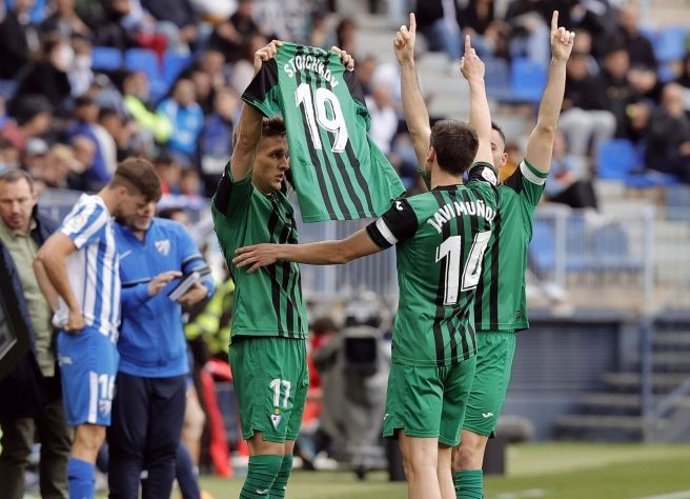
(86, 83)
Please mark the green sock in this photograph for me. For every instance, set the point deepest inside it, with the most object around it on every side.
(469, 484)
(261, 473)
(280, 483)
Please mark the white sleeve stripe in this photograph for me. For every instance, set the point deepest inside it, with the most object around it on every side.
(386, 232)
(94, 227)
(529, 175)
(85, 211)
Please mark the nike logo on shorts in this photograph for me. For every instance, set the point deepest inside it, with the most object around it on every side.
(486, 415)
(262, 492)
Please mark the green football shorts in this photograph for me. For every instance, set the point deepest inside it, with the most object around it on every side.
(271, 379)
(495, 352)
(428, 402)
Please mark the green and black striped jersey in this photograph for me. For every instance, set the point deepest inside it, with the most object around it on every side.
(337, 171)
(501, 304)
(269, 301)
(440, 239)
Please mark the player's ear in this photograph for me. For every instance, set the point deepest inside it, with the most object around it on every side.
(431, 155)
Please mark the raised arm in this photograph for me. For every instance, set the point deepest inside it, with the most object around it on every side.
(50, 263)
(416, 114)
(540, 144)
(341, 251)
(472, 68)
(249, 127)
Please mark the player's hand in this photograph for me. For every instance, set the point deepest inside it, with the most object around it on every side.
(75, 322)
(404, 41)
(161, 280)
(256, 256)
(561, 40)
(265, 53)
(347, 60)
(471, 66)
(195, 294)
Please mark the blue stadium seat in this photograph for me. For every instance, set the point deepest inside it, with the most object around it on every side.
(669, 44)
(527, 80)
(617, 159)
(144, 60)
(497, 78)
(174, 64)
(106, 58)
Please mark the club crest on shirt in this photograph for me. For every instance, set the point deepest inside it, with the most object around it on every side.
(77, 223)
(163, 246)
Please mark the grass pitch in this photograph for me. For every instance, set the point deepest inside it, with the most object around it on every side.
(549, 471)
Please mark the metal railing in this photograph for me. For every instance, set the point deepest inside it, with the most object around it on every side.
(582, 249)
(665, 370)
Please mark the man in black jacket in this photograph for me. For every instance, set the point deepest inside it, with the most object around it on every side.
(31, 395)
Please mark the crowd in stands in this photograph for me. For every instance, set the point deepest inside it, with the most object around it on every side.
(625, 80)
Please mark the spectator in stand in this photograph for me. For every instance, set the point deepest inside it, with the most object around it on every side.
(80, 75)
(436, 19)
(668, 135)
(585, 117)
(243, 69)
(365, 73)
(135, 90)
(345, 33)
(623, 99)
(9, 156)
(489, 34)
(64, 21)
(216, 138)
(119, 130)
(62, 168)
(179, 14)
(569, 183)
(32, 118)
(229, 36)
(169, 172)
(684, 81)
(187, 118)
(85, 125)
(18, 39)
(639, 48)
(190, 184)
(384, 118)
(34, 158)
(48, 77)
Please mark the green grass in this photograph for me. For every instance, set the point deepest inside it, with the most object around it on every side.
(550, 471)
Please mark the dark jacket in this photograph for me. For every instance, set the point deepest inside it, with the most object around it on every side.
(24, 386)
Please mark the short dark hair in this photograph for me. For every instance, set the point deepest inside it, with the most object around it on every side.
(12, 175)
(456, 145)
(140, 175)
(273, 127)
(83, 101)
(494, 126)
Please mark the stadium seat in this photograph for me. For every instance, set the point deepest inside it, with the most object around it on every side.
(497, 78)
(173, 65)
(106, 58)
(527, 80)
(669, 44)
(618, 159)
(144, 60)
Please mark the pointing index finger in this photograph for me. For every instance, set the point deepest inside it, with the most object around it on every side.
(554, 21)
(468, 44)
(413, 23)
